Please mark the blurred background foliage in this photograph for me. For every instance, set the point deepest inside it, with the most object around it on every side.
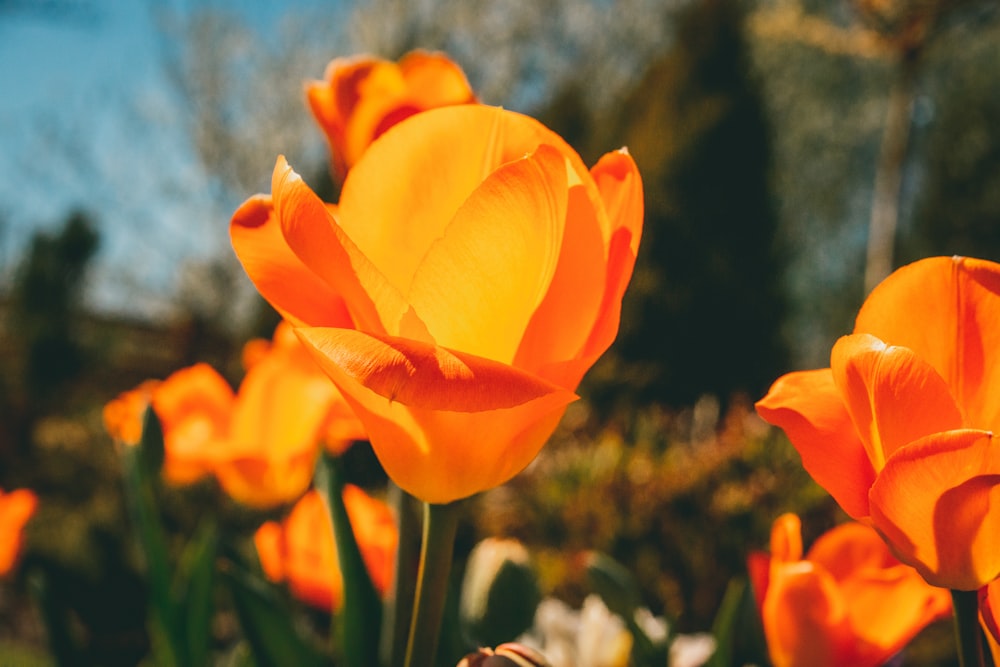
(769, 135)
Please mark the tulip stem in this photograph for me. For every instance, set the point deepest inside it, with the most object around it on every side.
(968, 635)
(440, 526)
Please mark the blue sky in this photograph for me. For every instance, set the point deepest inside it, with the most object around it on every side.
(88, 120)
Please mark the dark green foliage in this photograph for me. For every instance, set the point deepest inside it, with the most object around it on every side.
(46, 352)
(703, 312)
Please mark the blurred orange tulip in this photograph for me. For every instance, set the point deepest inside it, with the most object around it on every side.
(285, 408)
(301, 549)
(193, 405)
(848, 603)
(900, 428)
(16, 508)
(362, 97)
(989, 616)
(483, 267)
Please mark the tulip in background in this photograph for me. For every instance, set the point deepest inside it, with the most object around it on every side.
(16, 508)
(285, 408)
(362, 97)
(194, 406)
(900, 428)
(261, 442)
(301, 550)
(847, 603)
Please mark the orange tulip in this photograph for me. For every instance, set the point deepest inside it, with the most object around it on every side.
(193, 405)
(989, 616)
(848, 603)
(483, 267)
(362, 97)
(285, 408)
(16, 508)
(301, 550)
(900, 428)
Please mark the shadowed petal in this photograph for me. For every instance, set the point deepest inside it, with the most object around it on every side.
(277, 273)
(444, 424)
(808, 407)
(932, 503)
(894, 397)
(319, 242)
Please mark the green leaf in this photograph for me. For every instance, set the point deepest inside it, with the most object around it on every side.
(360, 619)
(738, 632)
(266, 622)
(140, 467)
(193, 586)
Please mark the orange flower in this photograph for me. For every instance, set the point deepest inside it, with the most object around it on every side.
(286, 406)
(483, 267)
(301, 550)
(848, 603)
(899, 429)
(193, 405)
(362, 97)
(989, 616)
(16, 508)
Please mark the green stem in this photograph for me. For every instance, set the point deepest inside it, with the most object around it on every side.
(399, 603)
(440, 525)
(360, 621)
(968, 635)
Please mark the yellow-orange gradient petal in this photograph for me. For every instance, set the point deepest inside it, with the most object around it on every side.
(934, 503)
(16, 508)
(277, 273)
(400, 197)
(579, 318)
(477, 286)
(894, 397)
(444, 424)
(808, 407)
(318, 241)
(946, 310)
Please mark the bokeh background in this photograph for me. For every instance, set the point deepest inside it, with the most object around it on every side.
(792, 151)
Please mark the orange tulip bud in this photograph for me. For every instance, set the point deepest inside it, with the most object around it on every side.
(16, 508)
(362, 97)
(847, 603)
(900, 428)
(482, 267)
(301, 549)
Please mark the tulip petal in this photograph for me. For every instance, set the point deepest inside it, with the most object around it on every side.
(894, 397)
(444, 424)
(620, 185)
(945, 309)
(479, 285)
(564, 320)
(932, 503)
(394, 210)
(808, 407)
(277, 273)
(849, 548)
(315, 237)
(805, 618)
